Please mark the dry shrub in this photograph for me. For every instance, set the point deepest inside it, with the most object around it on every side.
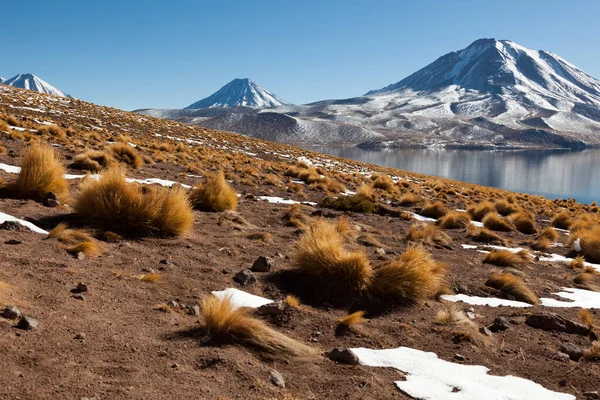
(51, 130)
(225, 323)
(412, 277)
(483, 235)
(409, 199)
(113, 204)
(550, 234)
(454, 220)
(583, 223)
(589, 240)
(151, 277)
(262, 236)
(272, 180)
(577, 263)
(355, 203)
(88, 248)
(365, 191)
(214, 195)
(125, 153)
(320, 254)
(495, 222)
(41, 173)
(478, 211)
(235, 220)
(505, 208)
(295, 217)
(383, 182)
(4, 126)
(292, 301)
(505, 258)
(541, 244)
(451, 315)
(427, 234)
(561, 220)
(435, 210)
(523, 222)
(592, 353)
(353, 319)
(512, 285)
(93, 161)
(586, 317)
(367, 239)
(583, 278)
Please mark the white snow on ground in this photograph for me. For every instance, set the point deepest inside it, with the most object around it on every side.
(240, 298)
(579, 298)
(430, 378)
(559, 258)
(280, 200)
(162, 182)
(484, 301)
(468, 246)
(11, 169)
(5, 217)
(421, 218)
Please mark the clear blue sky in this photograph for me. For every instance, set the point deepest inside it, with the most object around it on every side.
(168, 54)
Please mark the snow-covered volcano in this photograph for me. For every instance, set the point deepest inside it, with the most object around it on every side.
(240, 92)
(32, 82)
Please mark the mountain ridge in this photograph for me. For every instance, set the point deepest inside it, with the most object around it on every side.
(240, 92)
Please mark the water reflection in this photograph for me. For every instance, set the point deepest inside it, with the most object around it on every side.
(553, 173)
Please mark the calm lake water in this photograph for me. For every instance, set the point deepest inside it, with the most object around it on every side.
(552, 173)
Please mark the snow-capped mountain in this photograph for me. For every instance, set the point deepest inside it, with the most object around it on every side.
(32, 82)
(240, 93)
(493, 93)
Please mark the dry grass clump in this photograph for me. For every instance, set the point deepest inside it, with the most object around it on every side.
(93, 161)
(577, 263)
(583, 223)
(365, 191)
(589, 240)
(367, 239)
(151, 277)
(542, 243)
(292, 301)
(51, 130)
(427, 234)
(383, 182)
(76, 240)
(355, 203)
(512, 285)
(550, 234)
(224, 323)
(214, 195)
(4, 126)
(451, 315)
(409, 199)
(353, 319)
(483, 235)
(592, 353)
(495, 222)
(505, 258)
(561, 220)
(523, 222)
(87, 248)
(454, 220)
(583, 278)
(478, 211)
(41, 173)
(113, 204)
(272, 180)
(295, 217)
(409, 278)
(436, 210)
(505, 208)
(320, 254)
(260, 236)
(125, 153)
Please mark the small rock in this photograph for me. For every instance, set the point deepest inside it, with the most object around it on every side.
(11, 312)
(226, 271)
(485, 331)
(280, 255)
(560, 356)
(274, 308)
(462, 289)
(262, 264)
(80, 336)
(80, 256)
(591, 394)
(343, 356)
(11, 226)
(78, 296)
(277, 378)
(194, 310)
(380, 251)
(27, 323)
(459, 357)
(563, 382)
(175, 366)
(572, 350)
(166, 262)
(553, 322)
(470, 314)
(173, 304)
(148, 270)
(500, 324)
(245, 277)
(80, 288)
(13, 241)
(51, 200)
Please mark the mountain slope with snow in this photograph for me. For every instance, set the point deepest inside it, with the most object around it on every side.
(32, 82)
(240, 92)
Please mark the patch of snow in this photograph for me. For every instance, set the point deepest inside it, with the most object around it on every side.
(484, 301)
(280, 200)
(579, 298)
(11, 169)
(430, 378)
(5, 217)
(468, 246)
(240, 298)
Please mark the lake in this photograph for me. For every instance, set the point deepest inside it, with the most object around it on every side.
(552, 173)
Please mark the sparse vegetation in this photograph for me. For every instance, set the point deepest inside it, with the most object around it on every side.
(427, 234)
(214, 195)
(506, 258)
(523, 222)
(435, 210)
(355, 203)
(561, 220)
(513, 286)
(454, 220)
(495, 222)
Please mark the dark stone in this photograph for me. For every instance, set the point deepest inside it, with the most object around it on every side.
(27, 323)
(51, 200)
(11, 226)
(11, 312)
(459, 357)
(79, 336)
(592, 394)
(194, 310)
(166, 262)
(262, 264)
(80, 288)
(500, 324)
(462, 289)
(485, 331)
(274, 308)
(245, 277)
(13, 241)
(553, 322)
(78, 297)
(343, 356)
(277, 378)
(572, 350)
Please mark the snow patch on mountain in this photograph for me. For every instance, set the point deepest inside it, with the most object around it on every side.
(240, 93)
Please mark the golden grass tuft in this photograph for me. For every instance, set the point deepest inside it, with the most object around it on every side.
(260, 236)
(586, 317)
(505, 208)
(410, 278)
(592, 353)
(542, 243)
(577, 263)
(294, 216)
(495, 222)
(93, 161)
(151, 277)
(225, 323)
(427, 234)
(356, 203)
(561, 220)
(320, 254)
(214, 195)
(367, 239)
(113, 204)
(88, 248)
(125, 153)
(454, 220)
(41, 173)
(483, 235)
(505, 258)
(589, 240)
(550, 234)
(292, 301)
(436, 210)
(478, 211)
(523, 222)
(512, 285)
(451, 315)
(383, 182)
(355, 318)
(409, 199)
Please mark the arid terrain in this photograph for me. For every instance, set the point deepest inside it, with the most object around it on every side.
(121, 316)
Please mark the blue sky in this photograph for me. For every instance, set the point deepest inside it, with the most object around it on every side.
(168, 54)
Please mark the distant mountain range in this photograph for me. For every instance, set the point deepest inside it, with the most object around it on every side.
(32, 82)
(493, 93)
